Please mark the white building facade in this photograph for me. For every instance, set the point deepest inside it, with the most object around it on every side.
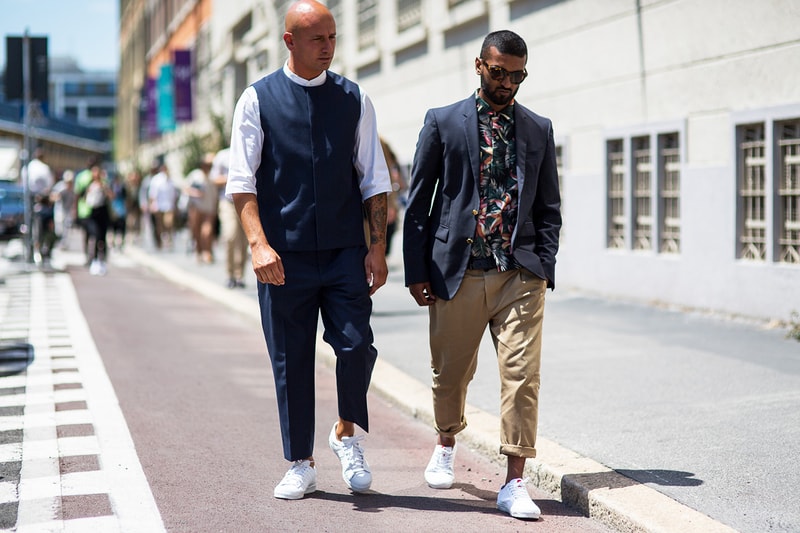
(677, 125)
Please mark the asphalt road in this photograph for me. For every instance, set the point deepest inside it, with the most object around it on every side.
(703, 408)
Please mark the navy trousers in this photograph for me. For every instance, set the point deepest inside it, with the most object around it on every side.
(330, 283)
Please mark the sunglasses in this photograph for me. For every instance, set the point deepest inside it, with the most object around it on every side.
(499, 73)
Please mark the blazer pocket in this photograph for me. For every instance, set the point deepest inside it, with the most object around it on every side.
(442, 232)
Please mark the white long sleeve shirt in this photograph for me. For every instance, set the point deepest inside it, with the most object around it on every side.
(247, 141)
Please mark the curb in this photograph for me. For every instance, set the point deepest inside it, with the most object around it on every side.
(617, 501)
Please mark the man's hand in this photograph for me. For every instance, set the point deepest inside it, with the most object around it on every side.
(422, 293)
(267, 265)
(376, 268)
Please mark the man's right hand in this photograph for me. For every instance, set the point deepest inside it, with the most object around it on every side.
(267, 265)
(422, 293)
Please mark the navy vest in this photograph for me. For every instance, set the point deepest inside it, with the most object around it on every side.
(307, 186)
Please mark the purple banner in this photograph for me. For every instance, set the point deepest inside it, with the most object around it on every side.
(182, 78)
(151, 120)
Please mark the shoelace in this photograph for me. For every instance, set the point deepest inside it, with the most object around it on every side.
(444, 459)
(355, 454)
(519, 487)
(297, 473)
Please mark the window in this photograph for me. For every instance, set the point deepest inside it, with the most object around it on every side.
(642, 196)
(670, 193)
(752, 193)
(367, 23)
(616, 194)
(409, 14)
(789, 192)
(644, 172)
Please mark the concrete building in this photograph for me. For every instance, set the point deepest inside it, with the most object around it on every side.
(677, 124)
(86, 97)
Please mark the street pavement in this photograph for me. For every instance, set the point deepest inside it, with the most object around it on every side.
(651, 419)
(149, 407)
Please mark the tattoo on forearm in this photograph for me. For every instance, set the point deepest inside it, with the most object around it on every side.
(376, 215)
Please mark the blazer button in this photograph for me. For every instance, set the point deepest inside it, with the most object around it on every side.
(474, 212)
(469, 241)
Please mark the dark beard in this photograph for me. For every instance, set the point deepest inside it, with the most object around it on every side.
(495, 97)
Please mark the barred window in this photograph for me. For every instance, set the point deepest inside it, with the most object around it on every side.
(752, 193)
(642, 195)
(789, 192)
(409, 14)
(616, 194)
(367, 23)
(670, 192)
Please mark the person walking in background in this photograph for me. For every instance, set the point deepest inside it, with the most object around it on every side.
(118, 219)
(202, 209)
(231, 232)
(301, 205)
(148, 217)
(40, 180)
(163, 196)
(480, 238)
(133, 184)
(62, 195)
(83, 210)
(98, 197)
(393, 201)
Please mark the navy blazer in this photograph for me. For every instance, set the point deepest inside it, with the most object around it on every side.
(443, 202)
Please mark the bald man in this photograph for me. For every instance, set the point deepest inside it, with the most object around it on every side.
(306, 164)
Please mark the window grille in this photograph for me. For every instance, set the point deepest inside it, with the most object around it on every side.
(642, 195)
(616, 194)
(752, 193)
(409, 14)
(670, 191)
(789, 193)
(367, 23)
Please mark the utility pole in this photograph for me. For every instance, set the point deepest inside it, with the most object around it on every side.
(26, 145)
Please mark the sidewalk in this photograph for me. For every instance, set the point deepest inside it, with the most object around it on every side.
(594, 489)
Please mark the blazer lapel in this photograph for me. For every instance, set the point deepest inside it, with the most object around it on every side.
(470, 124)
(521, 127)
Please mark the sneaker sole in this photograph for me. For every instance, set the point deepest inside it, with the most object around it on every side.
(530, 516)
(309, 490)
(441, 485)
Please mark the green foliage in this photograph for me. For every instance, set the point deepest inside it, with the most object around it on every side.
(193, 151)
(794, 327)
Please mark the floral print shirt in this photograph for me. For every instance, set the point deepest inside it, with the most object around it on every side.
(497, 187)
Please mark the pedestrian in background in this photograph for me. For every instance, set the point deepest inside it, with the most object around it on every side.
(301, 206)
(202, 209)
(133, 184)
(98, 197)
(83, 210)
(393, 203)
(480, 238)
(40, 180)
(163, 197)
(231, 232)
(62, 196)
(118, 211)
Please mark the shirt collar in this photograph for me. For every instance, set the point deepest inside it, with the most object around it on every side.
(315, 82)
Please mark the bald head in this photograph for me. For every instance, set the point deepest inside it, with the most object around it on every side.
(310, 37)
(305, 13)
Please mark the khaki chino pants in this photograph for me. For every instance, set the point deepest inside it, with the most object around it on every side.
(512, 305)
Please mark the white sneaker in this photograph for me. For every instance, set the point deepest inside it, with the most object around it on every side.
(94, 268)
(355, 470)
(439, 474)
(301, 479)
(515, 500)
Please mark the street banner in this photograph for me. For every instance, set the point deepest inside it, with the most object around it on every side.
(183, 85)
(166, 99)
(151, 117)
